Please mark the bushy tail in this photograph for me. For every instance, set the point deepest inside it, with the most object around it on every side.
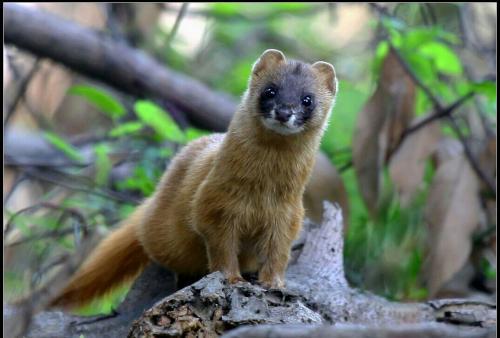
(117, 259)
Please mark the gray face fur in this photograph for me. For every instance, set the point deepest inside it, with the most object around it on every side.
(287, 102)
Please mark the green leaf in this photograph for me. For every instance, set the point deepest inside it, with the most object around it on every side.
(194, 133)
(126, 128)
(422, 67)
(226, 9)
(487, 88)
(140, 180)
(289, 7)
(380, 54)
(342, 124)
(155, 117)
(382, 50)
(62, 145)
(102, 163)
(420, 36)
(102, 100)
(443, 57)
(422, 103)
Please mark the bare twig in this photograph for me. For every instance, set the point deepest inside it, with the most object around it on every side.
(47, 205)
(438, 115)
(177, 23)
(43, 235)
(447, 111)
(472, 160)
(430, 11)
(12, 161)
(21, 90)
(20, 177)
(48, 177)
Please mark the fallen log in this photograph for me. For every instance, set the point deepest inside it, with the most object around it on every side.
(130, 70)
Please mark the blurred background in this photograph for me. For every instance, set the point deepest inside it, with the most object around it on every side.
(410, 149)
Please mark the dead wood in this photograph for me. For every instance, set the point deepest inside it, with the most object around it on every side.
(318, 293)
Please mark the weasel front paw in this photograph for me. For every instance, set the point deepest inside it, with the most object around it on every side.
(272, 283)
(233, 279)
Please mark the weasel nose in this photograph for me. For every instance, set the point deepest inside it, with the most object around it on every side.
(283, 115)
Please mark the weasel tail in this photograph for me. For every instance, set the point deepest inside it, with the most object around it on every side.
(116, 260)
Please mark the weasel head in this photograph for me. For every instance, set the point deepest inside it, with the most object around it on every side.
(290, 96)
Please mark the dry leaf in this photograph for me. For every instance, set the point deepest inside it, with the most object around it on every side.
(447, 149)
(407, 165)
(487, 157)
(452, 214)
(379, 127)
(325, 184)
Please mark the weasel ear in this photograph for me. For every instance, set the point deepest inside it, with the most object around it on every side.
(270, 58)
(326, 73)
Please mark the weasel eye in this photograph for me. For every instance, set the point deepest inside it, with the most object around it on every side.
(306, 100)
(270, 92)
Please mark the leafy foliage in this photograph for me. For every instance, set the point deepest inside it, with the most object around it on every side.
(102, 100)
(158, 119)
(61, 144)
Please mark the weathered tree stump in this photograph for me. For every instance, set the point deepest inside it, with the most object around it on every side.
(317, 293)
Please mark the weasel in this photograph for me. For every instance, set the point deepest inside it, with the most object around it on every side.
(228, 202)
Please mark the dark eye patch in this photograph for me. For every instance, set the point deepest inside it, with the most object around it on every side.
(270, 92)
(308, 105)
(267, 99)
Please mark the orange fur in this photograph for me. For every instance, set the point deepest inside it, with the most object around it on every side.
(117, 259)
(230, 202)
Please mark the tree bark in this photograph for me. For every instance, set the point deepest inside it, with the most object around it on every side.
(98, 56)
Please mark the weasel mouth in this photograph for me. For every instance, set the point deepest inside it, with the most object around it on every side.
(280, 127)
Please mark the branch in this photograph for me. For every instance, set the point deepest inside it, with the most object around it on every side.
(21, 91)
(441, 113)
(73, 212)
(125, 68)
(177, 23)
(490, 184)
(447, 111)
